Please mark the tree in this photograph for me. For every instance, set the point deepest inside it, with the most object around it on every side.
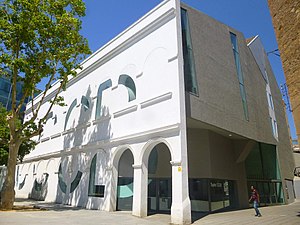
(40, 42)
(25, 147)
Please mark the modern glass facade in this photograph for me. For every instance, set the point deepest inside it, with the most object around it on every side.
(5, 93)
(239, 71)
(188, 55)
(263, 172)
(209, 195)
(125, 182)
(94, 189)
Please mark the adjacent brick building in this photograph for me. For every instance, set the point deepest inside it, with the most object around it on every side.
(286, 21)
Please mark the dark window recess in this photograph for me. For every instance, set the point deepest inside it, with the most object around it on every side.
(95, 190)
(236, 55)
(188, 55)
(76, 181)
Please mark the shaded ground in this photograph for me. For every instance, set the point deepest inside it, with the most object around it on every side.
(61, 214)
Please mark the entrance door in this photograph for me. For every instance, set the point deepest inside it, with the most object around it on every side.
(159, 195)
(125, 182)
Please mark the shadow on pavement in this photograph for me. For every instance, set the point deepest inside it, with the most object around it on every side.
(44, 205)
(197, 216)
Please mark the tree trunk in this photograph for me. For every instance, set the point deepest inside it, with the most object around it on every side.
(8, 192)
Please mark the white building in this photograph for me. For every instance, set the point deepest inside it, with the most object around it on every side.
(146, 127)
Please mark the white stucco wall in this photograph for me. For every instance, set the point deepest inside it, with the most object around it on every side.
(150, 53)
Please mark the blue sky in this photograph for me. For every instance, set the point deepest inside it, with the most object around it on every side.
(106, 19)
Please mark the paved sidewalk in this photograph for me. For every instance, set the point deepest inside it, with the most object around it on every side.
(64, 215)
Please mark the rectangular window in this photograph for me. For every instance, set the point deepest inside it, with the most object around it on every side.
(274, 127)
(239, 73)
(271, 101)
(188, 56)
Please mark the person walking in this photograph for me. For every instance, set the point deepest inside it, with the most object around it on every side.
(255, 198)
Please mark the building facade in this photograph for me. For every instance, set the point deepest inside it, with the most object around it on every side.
(177, 114)
(285, 17)
(5, 93)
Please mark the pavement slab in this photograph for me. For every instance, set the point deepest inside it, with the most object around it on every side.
(65, 215)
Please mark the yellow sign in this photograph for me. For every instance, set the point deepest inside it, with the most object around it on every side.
(179, 168)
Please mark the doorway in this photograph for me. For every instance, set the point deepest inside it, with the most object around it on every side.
(159, 180)
(125, 182)
(159, 195)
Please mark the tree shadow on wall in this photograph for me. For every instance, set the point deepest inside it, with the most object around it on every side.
(40, 188)
(97, 130)
(102, 127)
(74, 169)
(72, 180)
(76, 137)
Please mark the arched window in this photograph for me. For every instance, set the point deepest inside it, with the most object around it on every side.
(72, 106)
(128, 82)
(61, 183)
(94, 190)
(85, 103)
(105, 85)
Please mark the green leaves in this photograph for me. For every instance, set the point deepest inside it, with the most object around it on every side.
(39, 42)
(25, 147)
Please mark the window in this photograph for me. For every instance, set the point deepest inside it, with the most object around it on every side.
(85, 103)
(188, 56)
(21, 185)
(270, 101)
(94, 190)
(76, 181)
(152, 162)
(130, 85)
(105, 85)
(274, 127)
(72, 106)
(62, 185)
(239, 72)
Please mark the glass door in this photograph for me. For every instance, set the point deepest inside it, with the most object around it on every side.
(159, 195)
(164, 194)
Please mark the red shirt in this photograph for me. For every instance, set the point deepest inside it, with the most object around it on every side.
(254, 195)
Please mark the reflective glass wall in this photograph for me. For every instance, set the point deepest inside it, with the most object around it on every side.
(263, 173)
(209, 195)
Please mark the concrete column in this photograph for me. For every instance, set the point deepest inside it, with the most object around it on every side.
(181, 205)
(111, 189)
(140, 192)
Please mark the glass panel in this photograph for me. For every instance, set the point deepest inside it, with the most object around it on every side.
(265, 157)
(239, 73)
(198, 189)
(188, 55)
(217, 194)
(269, 158)
(128, 82)
(72, 106)
(62, 185)
(271, 101)
(275, 128)
(222, 194)
(85, 102)
(234, 42)
(105, 85)
(279, 192)
(75, 182)
(165, 193)
(152, 162)
(94, 190)
(21, 185)
(125, 193)
(152, 189)
(253, 164)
